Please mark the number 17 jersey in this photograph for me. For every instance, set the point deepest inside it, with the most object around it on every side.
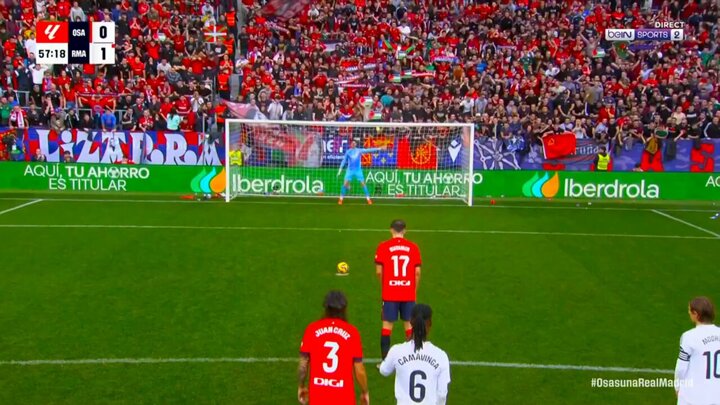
(399, 258)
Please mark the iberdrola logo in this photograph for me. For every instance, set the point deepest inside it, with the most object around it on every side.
(209, 181)
(540, 187)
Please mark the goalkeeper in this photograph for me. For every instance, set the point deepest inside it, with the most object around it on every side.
(353, 158)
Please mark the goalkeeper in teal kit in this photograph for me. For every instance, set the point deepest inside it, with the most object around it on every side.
(353, 159)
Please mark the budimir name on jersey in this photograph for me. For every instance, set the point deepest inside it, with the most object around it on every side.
(333, 329)
(419, 357)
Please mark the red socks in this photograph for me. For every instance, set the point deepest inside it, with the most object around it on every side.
(408, 334)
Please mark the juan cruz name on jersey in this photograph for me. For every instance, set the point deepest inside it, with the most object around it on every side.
(419, 357)
(333, 329)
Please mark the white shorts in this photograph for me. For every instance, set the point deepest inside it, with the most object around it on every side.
(682, 401)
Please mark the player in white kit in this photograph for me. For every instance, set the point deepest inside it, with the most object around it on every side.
(697, 372)
(422, 370)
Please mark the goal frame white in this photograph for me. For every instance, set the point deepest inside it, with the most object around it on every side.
(357, 124)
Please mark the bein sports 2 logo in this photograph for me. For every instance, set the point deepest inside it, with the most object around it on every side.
(209, 181)
(540, 187)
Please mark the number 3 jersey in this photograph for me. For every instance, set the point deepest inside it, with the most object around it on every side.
(422, 376)
(699, 366)
(399, 258)
(333, 346)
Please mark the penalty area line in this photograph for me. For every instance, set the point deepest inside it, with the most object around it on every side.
(188, 360)
(339, 230)
(676, 219)
(17, 207)
(380, 203)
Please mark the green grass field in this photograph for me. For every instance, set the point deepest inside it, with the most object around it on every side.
(215, 296)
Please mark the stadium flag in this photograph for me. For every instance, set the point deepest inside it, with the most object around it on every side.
(367, 101)
(559, 145)
(621, 49)
(284, 10)
(215, 34)
(244, 111)
(599, 53)
(329, 46)
(418, 154)
(375, 116)
(410, 74)
(386, 45)
(384, 158)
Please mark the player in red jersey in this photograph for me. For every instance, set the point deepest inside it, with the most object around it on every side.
(397, 264)
(332, 351)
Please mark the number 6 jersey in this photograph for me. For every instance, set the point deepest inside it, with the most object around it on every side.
(421, 377)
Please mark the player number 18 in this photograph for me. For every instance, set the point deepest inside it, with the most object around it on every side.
(397, 266)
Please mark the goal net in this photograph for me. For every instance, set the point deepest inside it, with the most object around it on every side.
(398, 160)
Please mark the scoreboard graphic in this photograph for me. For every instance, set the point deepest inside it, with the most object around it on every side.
(81, 42)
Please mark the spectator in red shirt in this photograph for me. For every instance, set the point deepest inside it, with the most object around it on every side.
(62, 8)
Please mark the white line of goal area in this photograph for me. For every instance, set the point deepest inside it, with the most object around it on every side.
(17, 207)
(340, 230)
(690, 224)
(109, 361)
(409, 204)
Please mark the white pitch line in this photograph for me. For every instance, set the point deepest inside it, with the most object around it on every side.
(410, 204)
(21, 206)
(283, 228)
(61, 362)
(676, 219)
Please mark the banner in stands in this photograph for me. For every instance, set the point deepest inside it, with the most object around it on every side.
(23, 176)
(153, 147)
(688, 156)
(326, 146)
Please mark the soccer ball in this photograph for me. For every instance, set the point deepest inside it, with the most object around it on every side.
(343, 268)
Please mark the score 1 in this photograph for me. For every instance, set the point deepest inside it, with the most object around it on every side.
(102, 43)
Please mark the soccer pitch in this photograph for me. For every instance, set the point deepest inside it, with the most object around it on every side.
(183, 302)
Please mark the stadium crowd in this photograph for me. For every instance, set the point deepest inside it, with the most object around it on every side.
(516, 68)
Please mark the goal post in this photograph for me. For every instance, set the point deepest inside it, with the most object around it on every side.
(303, 158)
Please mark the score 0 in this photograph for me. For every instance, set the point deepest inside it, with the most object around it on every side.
(102, 43)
